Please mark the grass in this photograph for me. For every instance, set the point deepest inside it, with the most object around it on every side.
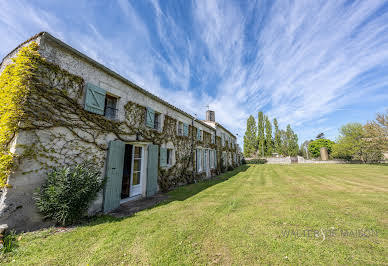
(241, 217)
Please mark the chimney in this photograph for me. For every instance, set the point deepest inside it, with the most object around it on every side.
(210, 116)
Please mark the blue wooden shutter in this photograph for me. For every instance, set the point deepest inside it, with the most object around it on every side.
(163, 157)
(185, 130)
(95, 99)
(152, 170)
(150, 117)
(114, 175)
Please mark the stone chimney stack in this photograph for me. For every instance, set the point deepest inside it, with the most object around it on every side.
(210, 116)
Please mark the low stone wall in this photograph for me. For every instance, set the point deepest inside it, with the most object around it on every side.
(280, 160)
(303, 160)
(289, 160)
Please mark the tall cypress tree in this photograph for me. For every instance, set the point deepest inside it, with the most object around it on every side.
(250, 137)
(260, 133)
(268, 137)
(292, 140)
(277, 139)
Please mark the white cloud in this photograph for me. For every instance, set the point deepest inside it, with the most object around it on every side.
(298, 60)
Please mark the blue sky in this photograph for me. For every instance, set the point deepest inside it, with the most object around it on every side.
(314, 64)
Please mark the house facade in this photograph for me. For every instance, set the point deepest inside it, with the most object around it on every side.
(76, 109)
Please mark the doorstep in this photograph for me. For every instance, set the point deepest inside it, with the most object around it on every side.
(131, 207)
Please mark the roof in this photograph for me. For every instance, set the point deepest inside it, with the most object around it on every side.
(20, 45)
(60, 43)
(219, 125)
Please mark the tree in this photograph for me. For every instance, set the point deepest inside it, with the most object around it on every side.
(260, 133)
(315, 146)
(320, 136)
(303, 149)
(277, 139)
(289, 142)
(292, 142)
(268, 137)
(350, 142)
(283, 148)
(376, 138)
(250, 138)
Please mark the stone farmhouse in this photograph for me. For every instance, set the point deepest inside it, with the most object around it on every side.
(75, 109)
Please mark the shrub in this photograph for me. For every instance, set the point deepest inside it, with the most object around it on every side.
(68, 191)
(256, 161)
(230, 168)
(315, 146)
(9, 242)
(243, 161)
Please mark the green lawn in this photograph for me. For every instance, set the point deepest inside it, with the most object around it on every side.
(241, 217)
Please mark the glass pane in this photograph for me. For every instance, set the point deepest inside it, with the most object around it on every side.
(136, 165)
(111, 101)
(138, 152)
(136, 178)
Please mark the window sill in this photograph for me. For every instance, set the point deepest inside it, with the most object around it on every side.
(154, 129)
(111, 118)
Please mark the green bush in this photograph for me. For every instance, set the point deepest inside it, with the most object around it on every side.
(10, 242)
(256, 161)
(243, 161)
(68, 191)
(315, 146)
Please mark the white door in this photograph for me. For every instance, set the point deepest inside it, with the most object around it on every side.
(137, 171)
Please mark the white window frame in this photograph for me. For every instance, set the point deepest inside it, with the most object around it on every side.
(170, 157)
(180, 129)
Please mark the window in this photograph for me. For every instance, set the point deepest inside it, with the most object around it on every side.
(213, 139)
(199, 160)
(169, 156)
(157, 121)
(137, 159)
(152, 119)
(110, 110)
(180, 129)
(211, 158)
(185, 130)
(202, 159)
(199, 134)
(98, 102)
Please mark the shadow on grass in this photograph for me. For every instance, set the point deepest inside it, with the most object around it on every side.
(187, 191)
(179, 193)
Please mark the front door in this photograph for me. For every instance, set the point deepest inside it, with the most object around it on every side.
(137, 171)
(127, 171)
(132, 171)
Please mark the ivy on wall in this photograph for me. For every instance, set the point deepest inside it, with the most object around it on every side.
(44, 102)
(14, 90)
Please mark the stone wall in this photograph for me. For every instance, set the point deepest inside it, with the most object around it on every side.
(59, 131)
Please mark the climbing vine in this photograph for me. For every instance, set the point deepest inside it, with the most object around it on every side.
(14, 89)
